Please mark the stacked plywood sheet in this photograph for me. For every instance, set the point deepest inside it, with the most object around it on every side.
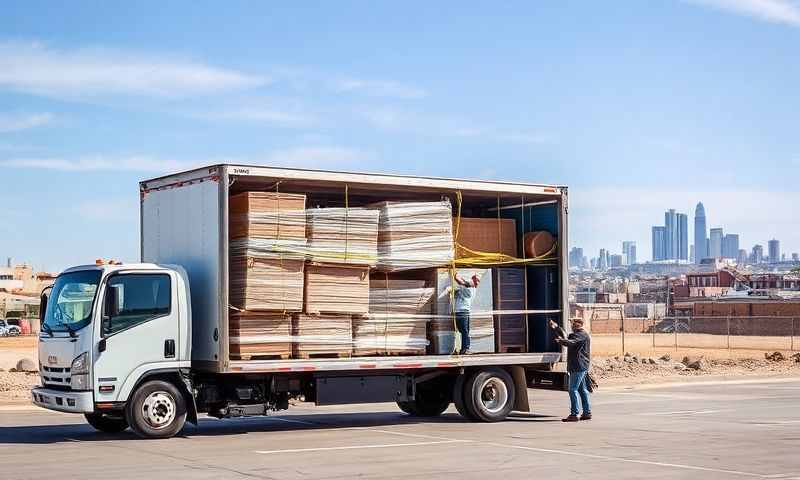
(397, 322)
(490, 235)
(336, 289)
(443, 334)
(267, 232)
(343, 235)
(414, 235)
(321, 336)
(256, 335)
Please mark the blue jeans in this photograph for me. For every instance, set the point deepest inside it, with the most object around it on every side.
(462, 322)
(577, 386)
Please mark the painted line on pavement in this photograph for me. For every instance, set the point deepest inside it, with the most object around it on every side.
(684, 412)
(359, 447)
(632, 460)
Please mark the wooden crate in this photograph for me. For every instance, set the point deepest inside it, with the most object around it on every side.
(266, 284)
(490, 235)
(336, 289)
(255, 335)
(318, 336)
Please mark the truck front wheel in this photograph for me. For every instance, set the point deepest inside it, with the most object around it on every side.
(106, 424)
(157, 410)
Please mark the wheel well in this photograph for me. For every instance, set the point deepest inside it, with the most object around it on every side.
(181, 382)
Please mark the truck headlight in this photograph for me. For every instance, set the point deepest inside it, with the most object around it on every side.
(80, 364)
(80, 382)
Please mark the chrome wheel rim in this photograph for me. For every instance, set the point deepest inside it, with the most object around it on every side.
(493, 395)
(158, 409)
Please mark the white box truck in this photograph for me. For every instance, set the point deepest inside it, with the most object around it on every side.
(165, 358)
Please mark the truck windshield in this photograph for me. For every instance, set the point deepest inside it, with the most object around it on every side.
(70, 304)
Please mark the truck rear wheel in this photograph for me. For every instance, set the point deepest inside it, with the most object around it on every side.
(458, 397)
(489, 395)
(431, 400)
(157, 410)
(106, 424)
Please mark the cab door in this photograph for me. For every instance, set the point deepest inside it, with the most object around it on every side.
(138, 332)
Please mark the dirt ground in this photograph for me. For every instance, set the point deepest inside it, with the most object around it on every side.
(13, 349)
(711, 346)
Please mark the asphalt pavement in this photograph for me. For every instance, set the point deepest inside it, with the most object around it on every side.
(748, 428)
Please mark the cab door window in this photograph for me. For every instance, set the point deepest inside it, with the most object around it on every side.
(140, 298)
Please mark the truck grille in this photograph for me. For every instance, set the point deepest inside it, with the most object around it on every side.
(57, 378)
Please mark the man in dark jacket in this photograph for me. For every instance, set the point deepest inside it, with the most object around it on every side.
(578, 345)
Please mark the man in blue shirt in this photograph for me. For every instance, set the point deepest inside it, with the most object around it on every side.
(464, 293)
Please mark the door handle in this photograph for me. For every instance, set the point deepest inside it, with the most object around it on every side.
(169, 348)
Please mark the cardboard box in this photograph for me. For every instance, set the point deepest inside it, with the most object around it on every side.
(488, 235)
(255, 335)
(266, 284)
(342, 235)
(321, 336)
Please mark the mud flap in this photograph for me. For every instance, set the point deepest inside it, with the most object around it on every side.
(521, 402)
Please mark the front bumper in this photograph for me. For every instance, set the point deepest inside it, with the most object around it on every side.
(70, 402)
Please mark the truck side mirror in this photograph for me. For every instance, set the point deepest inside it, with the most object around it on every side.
(110, 307)
(45, 296)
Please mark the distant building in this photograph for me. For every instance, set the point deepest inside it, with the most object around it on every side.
(741, 257)
(757, 256)
(614, 261)
(730, 245)
(774, 247)
(659, 243)
(628, 253)
(715, 243)
(576, 257)
(682, 252)
(700, 240)
(602, 261)
(795, 257)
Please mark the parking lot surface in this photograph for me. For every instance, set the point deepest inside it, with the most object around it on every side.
(740, 429)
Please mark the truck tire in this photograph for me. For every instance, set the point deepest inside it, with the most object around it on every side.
(458, 397)
(157, 409)
(407, 407)
(106, 424)
(489, 395)
(431, 401)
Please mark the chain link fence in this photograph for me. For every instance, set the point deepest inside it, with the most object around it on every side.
(614, 336)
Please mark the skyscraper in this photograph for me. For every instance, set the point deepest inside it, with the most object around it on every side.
(659, 237)
(602, 261)
(715, 243)
(741, 258)
(670, 234)
(700, 241)
(730, 245)
(682, 252)
(628, 252)
(576, 257)
(758, 254)
(774, 247)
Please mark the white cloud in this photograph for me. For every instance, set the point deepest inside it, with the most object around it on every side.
(259, 115)
(23, 121)
(107, 210)
(87, 73)
(330, 157)
(379, 88)
(776, 11)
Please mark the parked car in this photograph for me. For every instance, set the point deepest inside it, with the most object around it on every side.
(9, 330)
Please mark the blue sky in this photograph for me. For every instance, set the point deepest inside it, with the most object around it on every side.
(637, 106)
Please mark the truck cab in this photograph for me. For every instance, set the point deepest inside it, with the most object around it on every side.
(107, 332)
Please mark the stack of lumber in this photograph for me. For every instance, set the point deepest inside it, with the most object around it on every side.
(267, 232)
(343, 235)
(414, 235)
(485, 235)
(443, 334)
(256, 335)
(399, 311)
(321, 336)
(336, 289)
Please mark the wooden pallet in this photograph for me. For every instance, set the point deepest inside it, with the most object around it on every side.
(282, 356)
(311, 355)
